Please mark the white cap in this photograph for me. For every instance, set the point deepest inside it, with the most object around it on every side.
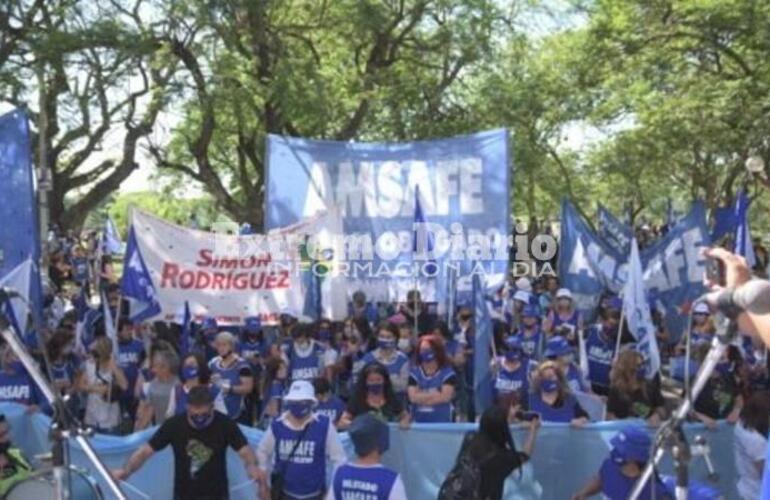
(522, 296)
(563, 293)
(301, 390)
(701, 308)
(523, 284)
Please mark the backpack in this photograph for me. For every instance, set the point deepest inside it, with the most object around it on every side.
(464, 480)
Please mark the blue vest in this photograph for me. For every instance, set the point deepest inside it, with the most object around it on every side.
(180, 397)
(599, 352)
(80, 269)
(394, 366)
(572, 320)
(64, 371)
(331, 409)
(305, 368)
(130, 355)
(531, 345)
(617, 486)
(232, 374)
(564, 414)
(507, 382)
(252, 349)
(305, 474)
(432, 413)
(17, 388)
(355, 482)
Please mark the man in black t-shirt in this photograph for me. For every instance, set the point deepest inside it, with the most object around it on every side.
(199, 439)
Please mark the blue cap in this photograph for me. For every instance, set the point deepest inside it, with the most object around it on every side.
(252, 324)
(369, 433)
(513, 343)
(530, 311)
(632, 443)
(209, 323)
(557, 346)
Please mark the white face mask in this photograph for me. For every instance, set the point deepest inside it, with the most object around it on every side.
(404, 344)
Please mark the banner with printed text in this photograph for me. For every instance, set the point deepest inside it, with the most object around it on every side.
(463, 195)
(233, 276)
(673, 266)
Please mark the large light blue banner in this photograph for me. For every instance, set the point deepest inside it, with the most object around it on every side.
(563, 461)
(673, 267)
(463, 185)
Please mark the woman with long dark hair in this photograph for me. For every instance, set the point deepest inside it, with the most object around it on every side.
(493, 452)
(373, 393)
(631, 395)
(751, 444)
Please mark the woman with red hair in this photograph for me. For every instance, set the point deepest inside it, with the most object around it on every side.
(432, 382)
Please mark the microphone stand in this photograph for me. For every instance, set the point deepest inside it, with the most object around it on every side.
(671, 435)
(64, 425)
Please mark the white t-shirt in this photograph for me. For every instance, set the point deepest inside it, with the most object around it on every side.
(750, 448)
(101, 413)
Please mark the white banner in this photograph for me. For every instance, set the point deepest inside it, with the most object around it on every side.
(231, 276)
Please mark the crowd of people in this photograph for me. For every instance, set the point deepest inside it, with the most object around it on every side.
(302, 381)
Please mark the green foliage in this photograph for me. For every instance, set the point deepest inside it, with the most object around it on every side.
(178, 211)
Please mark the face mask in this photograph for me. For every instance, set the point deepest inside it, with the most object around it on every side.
(549, 385)
(302, 343)
(16, 366)
(201, 421)
(427, 356)
(386, 344)
(189, 373)
(404, 344)
(512, 355)
(324, 335)
(375, 388)
(299, 410)
(252, 336)
(4, 446)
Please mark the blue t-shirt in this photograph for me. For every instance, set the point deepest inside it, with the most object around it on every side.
(80, 269)
(617, 486)
(180, 397)
(564, 413)
(64, 371)
(305, 474)
(441, 412)
(331, 408)
(352, 481)
(600, 350)
(232, 376)
(130, 356)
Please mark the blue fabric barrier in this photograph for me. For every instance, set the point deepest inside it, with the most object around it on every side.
(564, 458)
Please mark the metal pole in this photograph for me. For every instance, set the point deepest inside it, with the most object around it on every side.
(43, 175)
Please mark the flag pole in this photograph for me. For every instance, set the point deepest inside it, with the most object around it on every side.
(620, 331)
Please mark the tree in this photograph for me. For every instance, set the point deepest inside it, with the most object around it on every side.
(342, 70)
(98, 76)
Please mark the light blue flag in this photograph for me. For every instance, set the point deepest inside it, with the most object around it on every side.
(136, 284)
(482, 377)
(111, 238)
(186, 335)
(743, 245)
(109, 324)
(636, 310)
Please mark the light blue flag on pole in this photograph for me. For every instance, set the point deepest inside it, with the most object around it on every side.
(109, 324)
(482, 377)
(111, 238)
(743, 245)
(186, 335)
(136, 284)
(636, 310)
